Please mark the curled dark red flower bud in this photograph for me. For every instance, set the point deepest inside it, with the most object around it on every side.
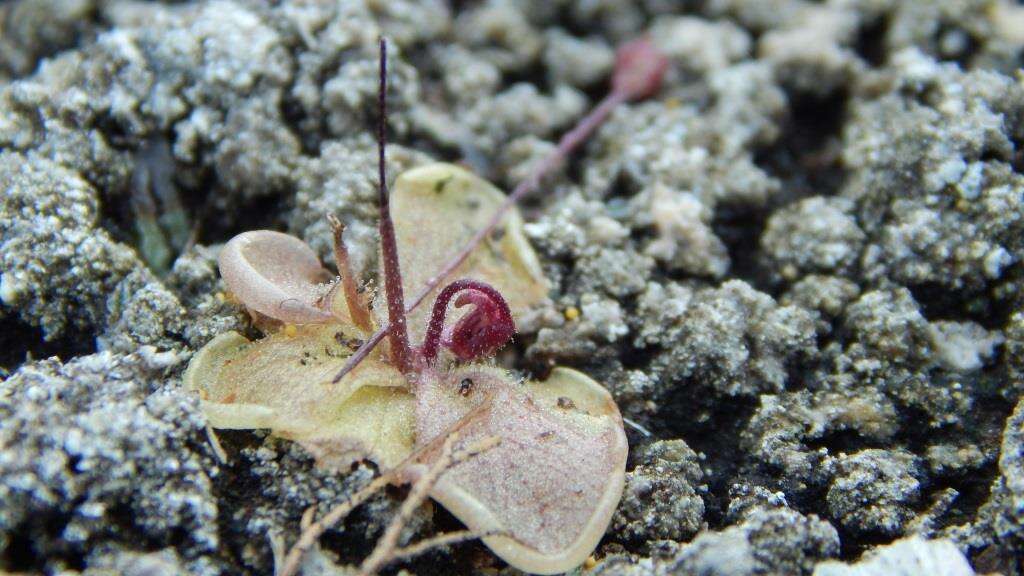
(480, 333)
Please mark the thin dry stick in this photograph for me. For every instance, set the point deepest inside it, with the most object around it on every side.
(428, 544)
(313, 532)
(638, 73)
(635, 426)
(276, 549)
(356, 307)
(384, 552)
(307, 518)
(218, 450)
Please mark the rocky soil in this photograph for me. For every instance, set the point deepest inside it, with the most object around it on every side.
(798, 268)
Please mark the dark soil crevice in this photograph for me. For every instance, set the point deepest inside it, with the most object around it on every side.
(712, 427)
(984, 306)
(870, 45)
(21, 342)
(805, 157)
(740, 231)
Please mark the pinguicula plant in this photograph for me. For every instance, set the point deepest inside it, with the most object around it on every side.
(534, 468)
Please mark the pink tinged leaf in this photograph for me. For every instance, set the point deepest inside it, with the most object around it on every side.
(551, 486)
(639, 69)
(276, 275)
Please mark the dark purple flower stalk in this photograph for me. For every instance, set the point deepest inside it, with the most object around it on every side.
(398, 332)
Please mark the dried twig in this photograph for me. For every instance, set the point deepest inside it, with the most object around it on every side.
(441, 540)
(385, 552)
(218, 450)
(307, 518)
(313, 532)
(636, 426)
(276, 549)
(387, 549)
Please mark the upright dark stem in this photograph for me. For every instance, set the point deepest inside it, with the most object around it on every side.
(397, 330)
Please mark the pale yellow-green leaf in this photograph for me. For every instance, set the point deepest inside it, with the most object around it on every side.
(375, 421)
(283, 382)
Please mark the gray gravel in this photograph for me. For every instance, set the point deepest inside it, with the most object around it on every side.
(798, 267)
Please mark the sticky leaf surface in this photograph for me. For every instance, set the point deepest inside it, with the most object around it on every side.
(555, 479)
(283, 382)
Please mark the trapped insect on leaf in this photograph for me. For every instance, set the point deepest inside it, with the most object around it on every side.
(543, 493)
